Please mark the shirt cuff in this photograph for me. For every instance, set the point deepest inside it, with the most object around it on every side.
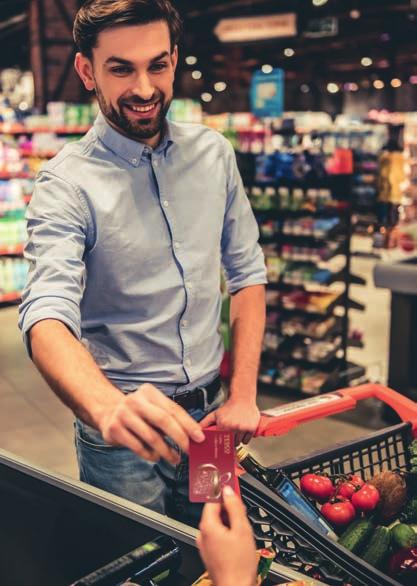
(64, 311)
(238, 284)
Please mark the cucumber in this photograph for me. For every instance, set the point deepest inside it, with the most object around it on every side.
(356, 535)
(403, 535)
(378, 547)
(409, 514)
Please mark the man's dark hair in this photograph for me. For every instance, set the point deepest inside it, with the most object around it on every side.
(96, 16)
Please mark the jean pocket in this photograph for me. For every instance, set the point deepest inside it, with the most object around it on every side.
(92, 438)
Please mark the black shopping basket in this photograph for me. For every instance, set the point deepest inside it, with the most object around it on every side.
(297, 544)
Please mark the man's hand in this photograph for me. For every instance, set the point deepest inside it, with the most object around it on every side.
(140, 420)
(228, 551)
(238, 415)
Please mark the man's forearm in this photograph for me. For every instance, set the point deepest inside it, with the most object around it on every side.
(247, 318)
(71, 371)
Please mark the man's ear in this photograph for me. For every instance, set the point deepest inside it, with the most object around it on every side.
(84, 68)
(174, 57)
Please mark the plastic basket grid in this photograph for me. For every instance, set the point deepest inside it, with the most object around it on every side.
(297, 545)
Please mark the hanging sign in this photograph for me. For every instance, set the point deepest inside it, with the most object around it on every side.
(256, 28)
(267, 93)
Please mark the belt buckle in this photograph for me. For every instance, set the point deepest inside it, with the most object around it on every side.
(183, 395)
(204, 397)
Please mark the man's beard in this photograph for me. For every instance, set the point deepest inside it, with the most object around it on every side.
(139, 129)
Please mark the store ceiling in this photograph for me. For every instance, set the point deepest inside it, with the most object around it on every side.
(386, 31)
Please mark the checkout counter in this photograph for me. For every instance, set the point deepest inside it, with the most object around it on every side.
(55, 530)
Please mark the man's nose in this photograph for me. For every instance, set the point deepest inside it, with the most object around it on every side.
(143, 88)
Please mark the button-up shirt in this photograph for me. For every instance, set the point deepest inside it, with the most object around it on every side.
(126, 245)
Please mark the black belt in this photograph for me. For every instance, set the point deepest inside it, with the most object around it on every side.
(194, 399)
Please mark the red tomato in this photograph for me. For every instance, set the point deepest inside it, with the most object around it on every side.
(340, 512)
(350, 486)
(317, 487)
(366, 499)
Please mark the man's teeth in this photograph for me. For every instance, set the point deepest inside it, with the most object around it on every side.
(143, 108)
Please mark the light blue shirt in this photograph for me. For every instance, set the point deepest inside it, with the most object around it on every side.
(126, 245)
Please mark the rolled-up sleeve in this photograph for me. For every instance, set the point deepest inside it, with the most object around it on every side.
(58, 232)
(242, 256)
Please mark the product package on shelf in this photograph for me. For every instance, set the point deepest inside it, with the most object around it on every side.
(13, 274)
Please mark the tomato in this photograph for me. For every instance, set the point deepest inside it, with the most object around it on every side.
(350, 486)
(339, 511)
(366, 498)
(317, 487)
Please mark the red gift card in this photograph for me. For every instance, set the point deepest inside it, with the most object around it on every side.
(212, 466)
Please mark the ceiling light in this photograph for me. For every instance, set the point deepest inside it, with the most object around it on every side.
(220, 86)
(196, 74)
(355, 14)
(413, 79)
(395, 82)
(366, 61)
(206, 97)
(379, 84)
(304, 88)
(288, 52)
(191, 60)
(332, 88)
(351, 86)
(319, 2)
(267, 68)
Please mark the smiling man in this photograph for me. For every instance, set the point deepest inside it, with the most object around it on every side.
(128, 230)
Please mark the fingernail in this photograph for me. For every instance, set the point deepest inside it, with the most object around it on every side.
(199, 436)
(228, 490)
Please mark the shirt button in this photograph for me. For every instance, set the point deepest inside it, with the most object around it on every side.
(184, 323)
(155, 163)
(188, 362)
(176, 245)
(134, 161)
(189, 285)
(165, 204)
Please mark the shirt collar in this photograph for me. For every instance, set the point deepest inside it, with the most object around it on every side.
(126, 148)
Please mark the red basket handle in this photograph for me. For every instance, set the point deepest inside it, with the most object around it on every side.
(282, 419)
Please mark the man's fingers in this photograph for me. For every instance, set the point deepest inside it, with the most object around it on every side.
(234, 506)
(150, 437)
(208, 420)
(191, 427)
(126, 438)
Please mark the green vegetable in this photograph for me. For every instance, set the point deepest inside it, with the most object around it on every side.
(409, 514)
(356, 535)
(378, 547)
(412, 448)
(403, 535)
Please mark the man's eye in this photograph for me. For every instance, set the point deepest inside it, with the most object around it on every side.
(158, 66)
(121, 70)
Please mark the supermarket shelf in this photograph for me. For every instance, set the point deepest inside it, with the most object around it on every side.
(330, 362)
(6, 176)
(331, 254)
(10, 297)
(12, 250)
(20, 129)
(280, 213)
(300, 311)
(38, 154)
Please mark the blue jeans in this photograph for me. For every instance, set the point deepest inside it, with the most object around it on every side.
(161, 487)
